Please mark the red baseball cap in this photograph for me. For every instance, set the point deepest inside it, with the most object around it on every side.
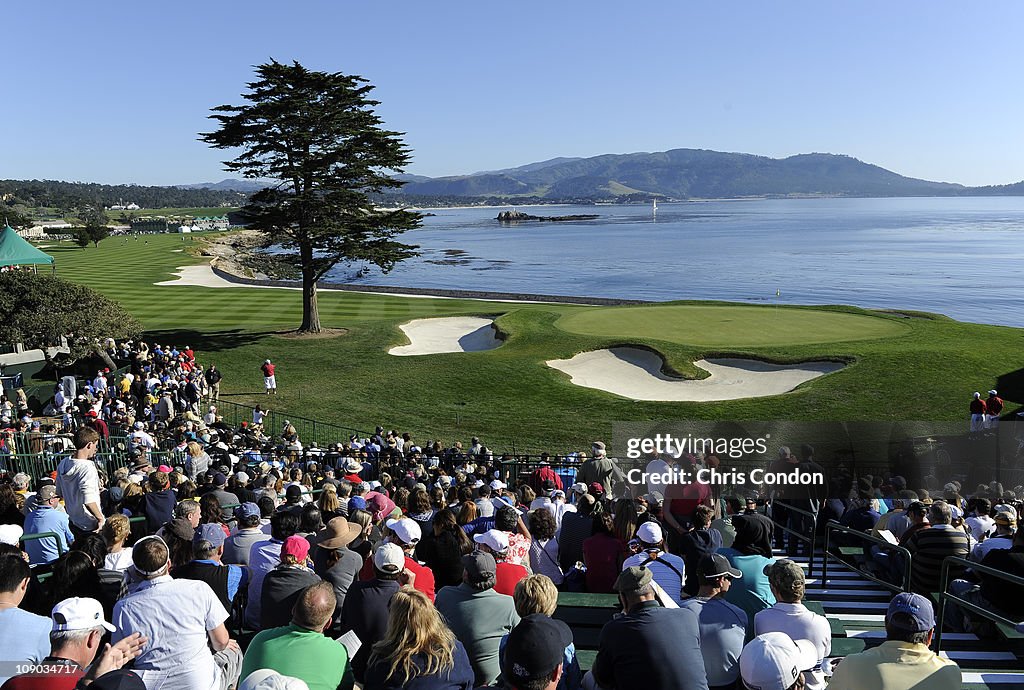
(295, 546)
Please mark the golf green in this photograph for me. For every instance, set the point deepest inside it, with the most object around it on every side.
(729, 326)
(909, 366)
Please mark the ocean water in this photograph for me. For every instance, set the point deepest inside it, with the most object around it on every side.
(963, 257)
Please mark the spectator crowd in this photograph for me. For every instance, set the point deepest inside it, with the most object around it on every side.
(236, 557)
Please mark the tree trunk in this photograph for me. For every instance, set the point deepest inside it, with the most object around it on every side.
(102, 354)
(310, 312)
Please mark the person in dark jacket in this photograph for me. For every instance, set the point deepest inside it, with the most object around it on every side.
(697, 543)
(418, 651)
(283, 585)
(648, 647)
(206, 566)
(442, 548)
(158, 504)
(366, 605)
(335, 562)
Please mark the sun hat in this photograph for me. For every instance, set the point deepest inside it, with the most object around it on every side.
(338, 533)
(774, 660)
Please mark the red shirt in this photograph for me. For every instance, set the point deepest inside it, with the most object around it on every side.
(978, 406)
(684, 499)
(268, 369)
(509, 574)
(424, 575)
(994, 404)
(543, 474)
(602, 554)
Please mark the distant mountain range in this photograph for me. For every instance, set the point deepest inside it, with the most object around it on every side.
(676, 174)
(230, 185)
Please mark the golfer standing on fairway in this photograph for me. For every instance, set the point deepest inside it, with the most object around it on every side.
(269, 379)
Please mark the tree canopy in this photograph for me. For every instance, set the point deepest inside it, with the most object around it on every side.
(38, 309)
(316, 135)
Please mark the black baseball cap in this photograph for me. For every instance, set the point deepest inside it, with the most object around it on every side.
(536, 647)
(715, 565)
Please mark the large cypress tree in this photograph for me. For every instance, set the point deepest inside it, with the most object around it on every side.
(316, 137)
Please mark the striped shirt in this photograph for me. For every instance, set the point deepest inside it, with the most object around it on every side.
(929, 548)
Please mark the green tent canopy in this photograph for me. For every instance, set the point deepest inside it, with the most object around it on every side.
(16, 251)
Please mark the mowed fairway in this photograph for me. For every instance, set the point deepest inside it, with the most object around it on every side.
(920, 368)
(730, 325)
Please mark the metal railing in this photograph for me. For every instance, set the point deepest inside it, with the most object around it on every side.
(833, 526)
(308, 430)
(811, 540)
(44, 535)
(945, 595)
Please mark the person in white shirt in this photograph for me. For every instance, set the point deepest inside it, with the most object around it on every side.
(789, 616)
(189, 645)
(655, 469)
(981, 523)
(1006, 524)
(78, 483)
(668, 569)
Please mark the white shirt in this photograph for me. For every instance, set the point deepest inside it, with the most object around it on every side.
(78, 483)
(981, 525)
(118, 561)
(176, 616)
(799, 623)
(979, 552)
(657, 466)
(667, 579)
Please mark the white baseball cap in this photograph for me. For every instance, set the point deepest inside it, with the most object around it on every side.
(497, 485)
(79, 613)
(773, 661)
(406, 530)
(242, 477)
(495, 539)
(650, 533)
(578, 487)
(265, 679)
(10, 534)
(389, 558)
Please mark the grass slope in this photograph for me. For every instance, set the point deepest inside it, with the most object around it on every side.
(918, 368)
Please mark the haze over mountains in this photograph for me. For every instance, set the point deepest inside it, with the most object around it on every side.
(680, 174)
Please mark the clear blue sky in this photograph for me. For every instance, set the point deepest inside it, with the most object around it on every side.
(115, 92)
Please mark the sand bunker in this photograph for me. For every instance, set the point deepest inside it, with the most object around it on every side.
(635, 373)
(447, 334)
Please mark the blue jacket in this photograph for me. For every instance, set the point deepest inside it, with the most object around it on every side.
(47, 519)
(460, 677)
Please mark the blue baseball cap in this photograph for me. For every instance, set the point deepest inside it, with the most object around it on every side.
(211, 533)
(920, 616)
(246, 510)
(356, 503)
